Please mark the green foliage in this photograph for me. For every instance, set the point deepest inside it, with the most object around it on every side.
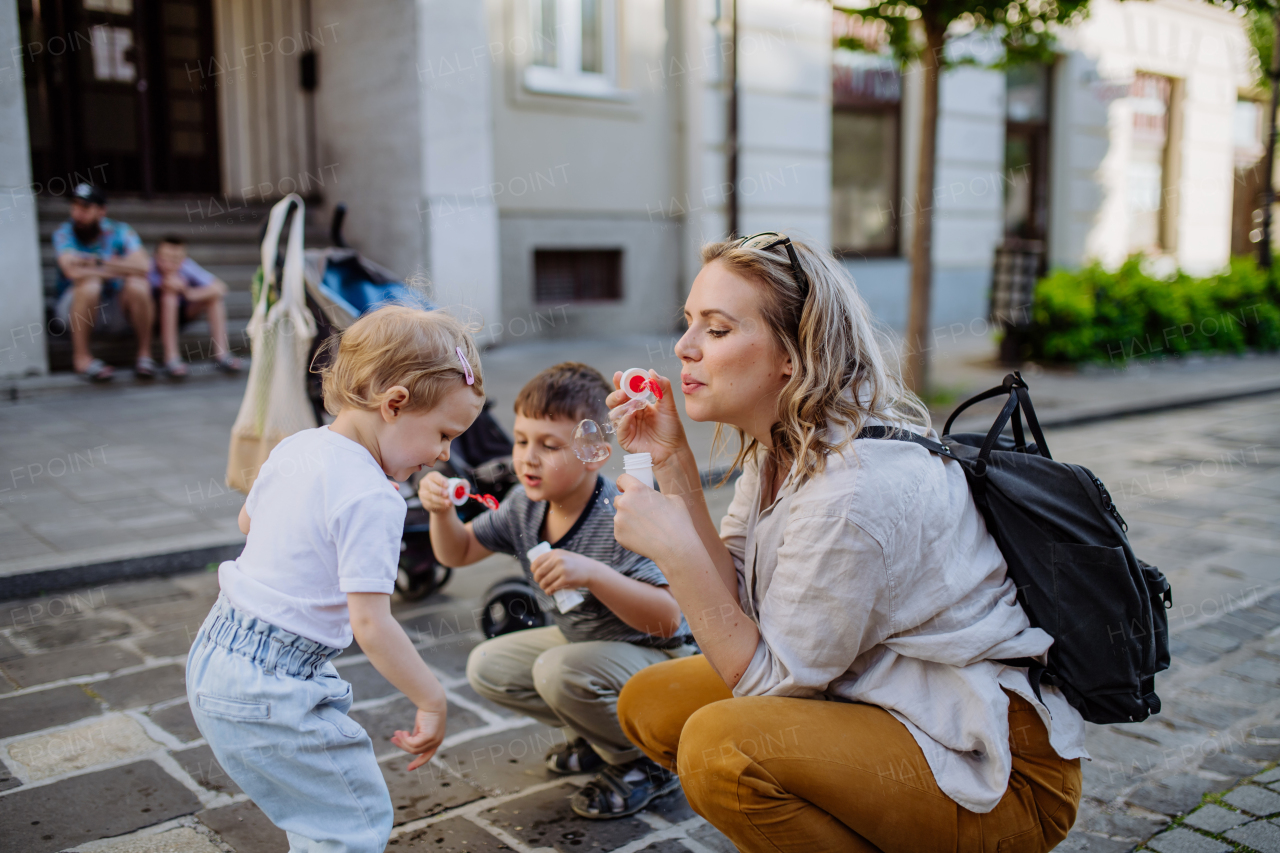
(1025, 26)
(1092, 315)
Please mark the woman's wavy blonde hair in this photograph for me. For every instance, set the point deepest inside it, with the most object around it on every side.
(398, 345)
(840, 376)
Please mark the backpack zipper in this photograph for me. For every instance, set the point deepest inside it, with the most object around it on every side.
(1109, 505)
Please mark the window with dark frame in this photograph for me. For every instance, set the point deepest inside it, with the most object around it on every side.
(577, 275)
(866, 123)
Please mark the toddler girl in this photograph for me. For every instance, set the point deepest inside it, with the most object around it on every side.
(324, 526)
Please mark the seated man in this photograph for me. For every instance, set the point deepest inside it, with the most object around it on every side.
(102, 271)
(185, 290)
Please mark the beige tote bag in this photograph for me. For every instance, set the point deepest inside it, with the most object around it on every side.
(275, 404)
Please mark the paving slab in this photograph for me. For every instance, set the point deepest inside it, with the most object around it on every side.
(1135, 824)
(505, 762)
(426, 791)
(455, 835)
(7, 779)
(450, 656)
(1261, 669)
(200, 764)
(1230, 766)
(60, 633)
(44, 709)
(1185, 841)
(1272, 775)
(1229, 689)
(1077, 841)
(102, 741)
(146, 687)
(170, 643)
(1173, 795)
(366, 682)
(1215, 819)
(1260, 835)
(710, 837)
(177, 721)
(544, 819)
(183, 839)
(666, 845)
(245, 828)
(1254, 800)
(382, 721)
(109, 802)
(38, 669)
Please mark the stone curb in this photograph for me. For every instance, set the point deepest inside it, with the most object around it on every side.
(89, 574)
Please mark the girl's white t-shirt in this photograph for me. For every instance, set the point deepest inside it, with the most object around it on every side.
(324, 521)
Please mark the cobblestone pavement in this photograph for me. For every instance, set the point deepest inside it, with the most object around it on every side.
(100, 752)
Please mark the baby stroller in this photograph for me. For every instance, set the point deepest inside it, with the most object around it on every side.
(342, 285)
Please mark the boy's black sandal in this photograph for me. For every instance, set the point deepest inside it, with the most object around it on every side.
(610, 795)
(576, 756)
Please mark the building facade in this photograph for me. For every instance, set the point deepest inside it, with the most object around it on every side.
(551, 167)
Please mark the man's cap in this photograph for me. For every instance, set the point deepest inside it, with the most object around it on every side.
(89, 194)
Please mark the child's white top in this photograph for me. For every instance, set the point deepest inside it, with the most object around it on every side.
(324, 521)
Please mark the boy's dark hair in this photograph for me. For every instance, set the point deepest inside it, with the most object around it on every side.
(173, 240)
(566, 391)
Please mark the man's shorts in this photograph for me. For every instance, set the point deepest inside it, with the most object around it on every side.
(108, 318)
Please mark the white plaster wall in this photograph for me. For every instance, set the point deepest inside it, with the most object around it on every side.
(367, 127)
(456, 133)
(784, 123)
(22, 339)
(1203, 47)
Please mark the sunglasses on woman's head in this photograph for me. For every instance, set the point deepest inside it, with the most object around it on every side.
(766, 240)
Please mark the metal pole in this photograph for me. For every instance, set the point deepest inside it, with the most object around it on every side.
(731, 129)
(1268, 162)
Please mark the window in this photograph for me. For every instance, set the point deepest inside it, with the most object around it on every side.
(1146, 175)
(1026, 152)
(865, 121)
(561, 275)
(574, 48)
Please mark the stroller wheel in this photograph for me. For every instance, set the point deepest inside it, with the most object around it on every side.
(418, 581)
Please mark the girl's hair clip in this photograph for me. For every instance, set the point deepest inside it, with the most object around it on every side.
(466, 366)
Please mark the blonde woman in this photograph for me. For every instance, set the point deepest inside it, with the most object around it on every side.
(852, 605)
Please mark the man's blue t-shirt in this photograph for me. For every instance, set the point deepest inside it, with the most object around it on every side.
(115, 240)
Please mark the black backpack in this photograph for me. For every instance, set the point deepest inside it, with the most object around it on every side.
(1065, 544)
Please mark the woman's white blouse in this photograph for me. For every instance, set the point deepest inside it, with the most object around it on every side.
(877, 582)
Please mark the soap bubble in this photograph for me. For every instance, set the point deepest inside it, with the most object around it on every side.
(590, 442)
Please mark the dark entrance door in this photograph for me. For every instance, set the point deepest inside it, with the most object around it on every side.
(114, 94)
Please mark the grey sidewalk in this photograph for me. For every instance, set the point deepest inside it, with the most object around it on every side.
(119, 476)
(92, 707)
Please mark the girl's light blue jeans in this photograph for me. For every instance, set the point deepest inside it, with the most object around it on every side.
(274, 710)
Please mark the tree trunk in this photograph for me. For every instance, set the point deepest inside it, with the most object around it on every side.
(1268, 162)
(916, 357)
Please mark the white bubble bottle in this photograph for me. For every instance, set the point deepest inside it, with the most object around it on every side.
(640, 466)
(566, 599)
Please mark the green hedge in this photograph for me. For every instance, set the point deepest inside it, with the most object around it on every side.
(1092, 315)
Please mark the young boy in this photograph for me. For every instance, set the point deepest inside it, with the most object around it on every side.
(569, 674)
(184, 291)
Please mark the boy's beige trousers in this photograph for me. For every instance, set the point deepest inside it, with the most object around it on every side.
(539, 673)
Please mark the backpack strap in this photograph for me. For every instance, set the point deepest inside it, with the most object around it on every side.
(1011, 381)
(908, 436)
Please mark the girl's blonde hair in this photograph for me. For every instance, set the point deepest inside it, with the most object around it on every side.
(398, 345)
(840, 376)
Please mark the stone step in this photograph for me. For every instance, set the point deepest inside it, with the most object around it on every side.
(193, 342)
